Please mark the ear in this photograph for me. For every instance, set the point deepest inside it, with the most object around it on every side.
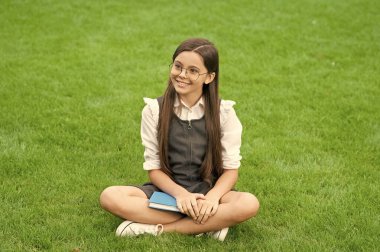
(210, 77)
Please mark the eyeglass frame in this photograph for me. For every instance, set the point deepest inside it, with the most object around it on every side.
(199, 74)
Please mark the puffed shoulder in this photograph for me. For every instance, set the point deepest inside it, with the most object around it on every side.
(226, 108)
(152, 108)
(226, 104)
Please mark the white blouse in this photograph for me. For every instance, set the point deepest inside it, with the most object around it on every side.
(231, 130)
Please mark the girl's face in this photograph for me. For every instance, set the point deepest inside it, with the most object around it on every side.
(188, 75)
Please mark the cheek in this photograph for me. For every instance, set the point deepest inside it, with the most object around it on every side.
(172, 77)
(199, 82)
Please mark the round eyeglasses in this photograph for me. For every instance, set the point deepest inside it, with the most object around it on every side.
(192, 73)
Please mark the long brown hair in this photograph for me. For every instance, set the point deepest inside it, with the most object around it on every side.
(212, 163)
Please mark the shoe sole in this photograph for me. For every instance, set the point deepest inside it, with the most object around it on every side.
(222, 234)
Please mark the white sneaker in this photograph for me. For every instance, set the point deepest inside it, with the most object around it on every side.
(220, 234)
(130, 228)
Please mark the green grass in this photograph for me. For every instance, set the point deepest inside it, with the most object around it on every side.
(305, 75)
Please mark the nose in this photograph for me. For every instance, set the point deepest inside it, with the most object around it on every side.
(183, 73)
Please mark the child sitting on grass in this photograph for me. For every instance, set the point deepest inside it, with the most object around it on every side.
(192, 151)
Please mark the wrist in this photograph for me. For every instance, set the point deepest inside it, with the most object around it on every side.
(182, 191)
(212, 195)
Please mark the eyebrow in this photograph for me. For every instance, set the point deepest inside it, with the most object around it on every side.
(188, 66)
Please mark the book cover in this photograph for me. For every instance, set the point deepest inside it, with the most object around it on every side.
(163, 201)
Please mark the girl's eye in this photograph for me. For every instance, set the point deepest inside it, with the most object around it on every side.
(193, 71)
(177, 66)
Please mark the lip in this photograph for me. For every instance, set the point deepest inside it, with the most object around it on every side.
(182, 84)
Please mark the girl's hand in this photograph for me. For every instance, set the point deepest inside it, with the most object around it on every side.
(207, 208)
(187, 204)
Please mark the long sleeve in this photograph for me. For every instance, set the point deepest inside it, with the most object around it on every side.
(231, 136)
(149, 124)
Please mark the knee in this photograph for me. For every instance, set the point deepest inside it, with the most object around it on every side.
(254, 205)
(248, 206)
(107, 197)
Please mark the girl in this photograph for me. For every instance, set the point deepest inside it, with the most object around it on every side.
(192, 151)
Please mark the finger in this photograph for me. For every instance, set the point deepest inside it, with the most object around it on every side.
(199, 217)
(195, 207)
(214, 209)
(201, 214)
(179, 205)
(205, 216)
(190, 210)
(200, 204)
(184, 208)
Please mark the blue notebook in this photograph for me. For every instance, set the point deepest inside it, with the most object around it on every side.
(163, 201)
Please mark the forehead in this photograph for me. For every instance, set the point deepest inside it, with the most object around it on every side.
(190, 59)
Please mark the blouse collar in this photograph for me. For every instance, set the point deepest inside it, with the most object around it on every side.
(178, 102)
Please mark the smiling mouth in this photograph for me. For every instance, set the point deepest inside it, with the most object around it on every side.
(181, 83)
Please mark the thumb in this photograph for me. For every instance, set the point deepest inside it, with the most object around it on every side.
(199, 196)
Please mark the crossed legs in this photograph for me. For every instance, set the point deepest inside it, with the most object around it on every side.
(131, 203)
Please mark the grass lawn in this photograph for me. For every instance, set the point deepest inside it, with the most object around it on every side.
(305, 76)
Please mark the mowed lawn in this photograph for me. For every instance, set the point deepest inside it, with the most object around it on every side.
(305, 76)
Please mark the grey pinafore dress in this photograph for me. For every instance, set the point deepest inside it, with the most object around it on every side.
(187, 149)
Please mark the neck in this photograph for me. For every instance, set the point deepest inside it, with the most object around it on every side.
(189, 101)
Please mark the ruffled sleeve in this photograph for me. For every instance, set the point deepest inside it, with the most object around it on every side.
(149, 122)
(231, 130)
(153, 107)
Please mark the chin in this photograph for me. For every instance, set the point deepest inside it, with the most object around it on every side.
(179, 90)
